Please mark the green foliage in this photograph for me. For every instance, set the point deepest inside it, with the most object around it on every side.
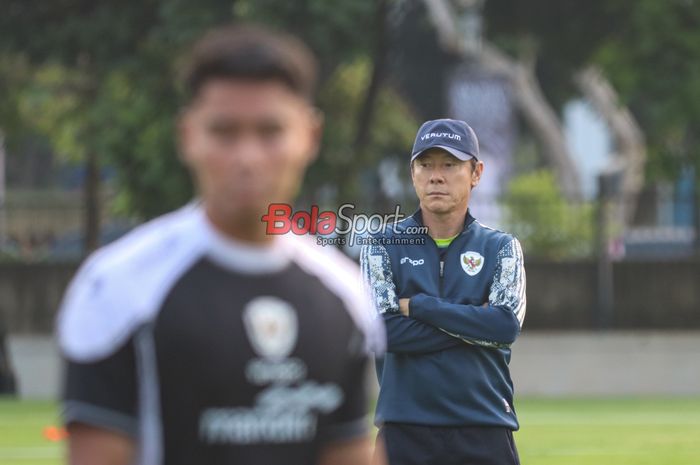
(341, 99)
(561, 35)
(102, 83)
(104, 76)
(654, 63)
(14, 73)
(648, 49)
(129, 124)
(337, 32)
(140, 143)
(545, 223)
(392, 132)
(51, 103)
(97, 75)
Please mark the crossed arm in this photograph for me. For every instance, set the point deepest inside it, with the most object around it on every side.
(404, 335)
(424, 324)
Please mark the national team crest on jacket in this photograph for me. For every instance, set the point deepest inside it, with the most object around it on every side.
(272, 326)
(471, 262)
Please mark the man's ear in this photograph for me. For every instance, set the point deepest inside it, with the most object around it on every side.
(478, 172)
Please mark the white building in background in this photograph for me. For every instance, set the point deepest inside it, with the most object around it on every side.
(588, 139)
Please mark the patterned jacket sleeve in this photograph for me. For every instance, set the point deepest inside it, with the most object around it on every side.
(508, 287)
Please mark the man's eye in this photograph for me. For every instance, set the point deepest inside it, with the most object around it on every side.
(270, 130)
(223, 130)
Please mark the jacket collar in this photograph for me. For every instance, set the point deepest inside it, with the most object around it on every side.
(418, 218)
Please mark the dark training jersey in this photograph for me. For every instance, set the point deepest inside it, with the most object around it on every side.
(208, 351)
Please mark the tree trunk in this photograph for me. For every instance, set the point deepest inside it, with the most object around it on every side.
(3, 225)
(91, 181)
(628, 138)
(695, 200)
(540, 116)
(91, 202)
(365, 116)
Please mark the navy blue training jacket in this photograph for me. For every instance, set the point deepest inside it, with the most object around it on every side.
(447, 362)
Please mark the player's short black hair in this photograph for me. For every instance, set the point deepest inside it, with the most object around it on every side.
(249, 52)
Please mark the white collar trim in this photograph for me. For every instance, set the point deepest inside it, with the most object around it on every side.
(241, 256)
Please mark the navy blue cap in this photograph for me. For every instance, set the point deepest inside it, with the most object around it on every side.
(454, 136)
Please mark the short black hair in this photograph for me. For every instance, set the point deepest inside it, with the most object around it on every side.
(250, 52)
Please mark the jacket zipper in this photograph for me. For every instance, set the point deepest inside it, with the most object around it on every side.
(443, 255)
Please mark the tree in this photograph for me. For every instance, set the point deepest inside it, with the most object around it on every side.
(77, 41)
(114, 63)
(635, 62)
(529, 97)
(92, 47)
(350, 175)
(627, 136)
(654, 63)
(544, 221)
(13, 72)
(569, 66)
(362, 115)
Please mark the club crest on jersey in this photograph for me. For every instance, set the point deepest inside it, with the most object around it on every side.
(471, 262)
(272, 326)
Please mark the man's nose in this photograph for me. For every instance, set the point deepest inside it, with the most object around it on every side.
(248, 153)
(436, 177)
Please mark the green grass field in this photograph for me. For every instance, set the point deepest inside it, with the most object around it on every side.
(554, 432)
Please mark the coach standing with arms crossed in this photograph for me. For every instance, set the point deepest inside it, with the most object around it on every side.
(453, 304)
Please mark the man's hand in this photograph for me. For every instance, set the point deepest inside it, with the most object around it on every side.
(353, 452)
(403, 306)
(90, 445)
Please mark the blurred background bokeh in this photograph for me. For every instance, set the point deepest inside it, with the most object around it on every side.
(588, 114)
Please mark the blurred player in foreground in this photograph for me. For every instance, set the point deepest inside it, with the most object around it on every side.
(199, 339)
(453, 302)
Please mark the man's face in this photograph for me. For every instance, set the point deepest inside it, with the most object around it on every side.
(443, 183)
(248, 144)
